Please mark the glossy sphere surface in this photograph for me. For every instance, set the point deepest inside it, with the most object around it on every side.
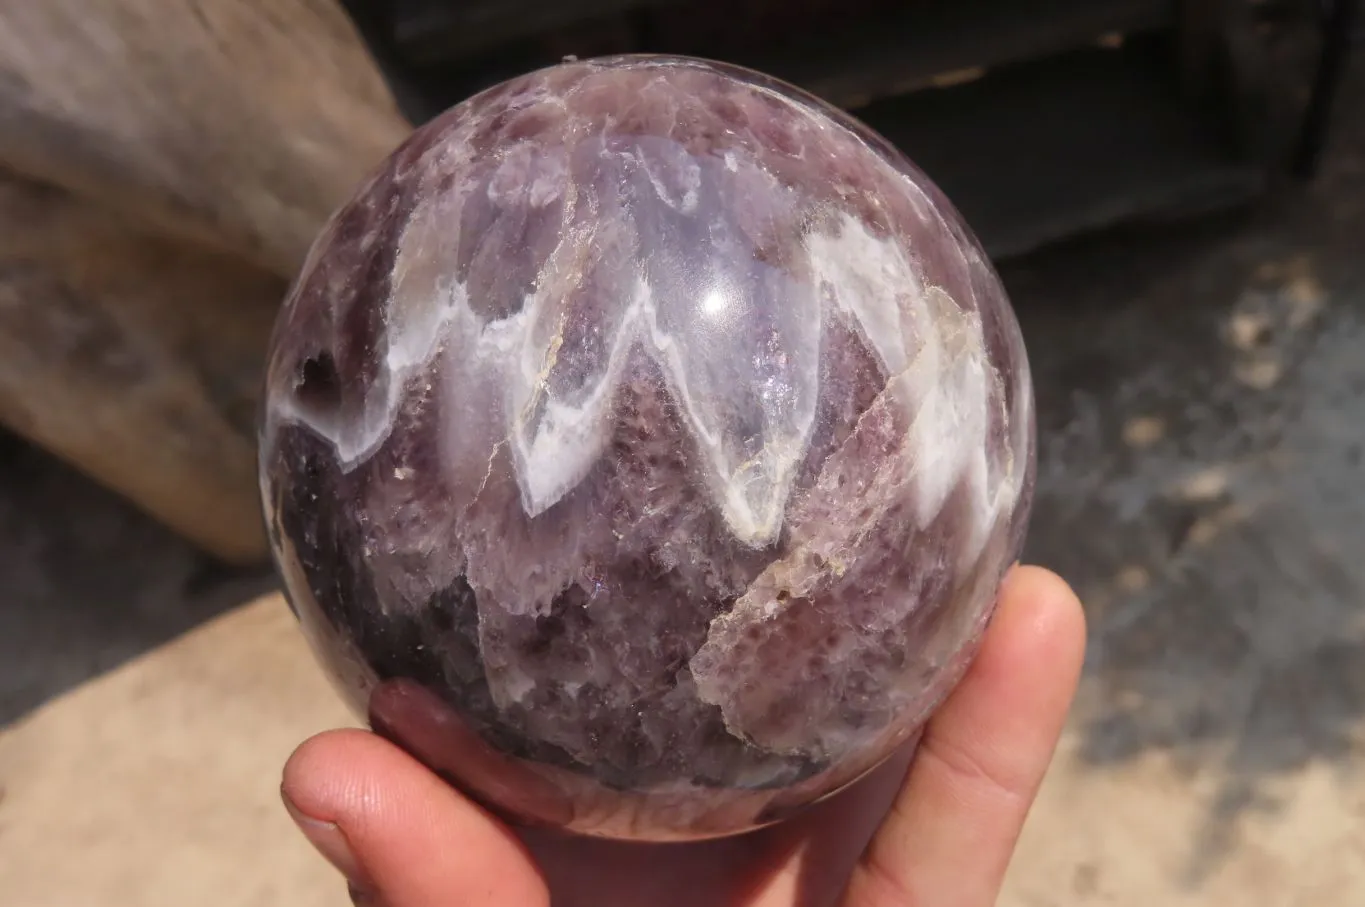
(644, 446)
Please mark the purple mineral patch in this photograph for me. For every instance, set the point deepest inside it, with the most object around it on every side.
(643, 448)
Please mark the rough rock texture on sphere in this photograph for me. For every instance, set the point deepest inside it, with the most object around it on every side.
(644, 446)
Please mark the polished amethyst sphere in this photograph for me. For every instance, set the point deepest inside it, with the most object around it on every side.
(643, 448)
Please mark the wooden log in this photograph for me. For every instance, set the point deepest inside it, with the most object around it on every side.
(239, 123)
(191, 152)
(137, 359)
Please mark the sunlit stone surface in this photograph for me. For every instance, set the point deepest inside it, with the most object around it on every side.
(644, 446)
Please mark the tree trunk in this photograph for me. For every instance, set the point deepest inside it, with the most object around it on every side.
(136, 359)
(164, 168)
(238, 123)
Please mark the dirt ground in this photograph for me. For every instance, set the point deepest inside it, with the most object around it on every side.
(1202, 483)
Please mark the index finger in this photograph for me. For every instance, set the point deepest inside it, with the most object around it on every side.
(952, 829)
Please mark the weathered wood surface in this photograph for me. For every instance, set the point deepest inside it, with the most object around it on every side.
(137, 359)
(164, 168)
(240, 123)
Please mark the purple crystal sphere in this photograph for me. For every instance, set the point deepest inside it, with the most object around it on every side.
(643, 448)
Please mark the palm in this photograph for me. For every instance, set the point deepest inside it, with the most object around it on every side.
(803, 863)
(941, 833)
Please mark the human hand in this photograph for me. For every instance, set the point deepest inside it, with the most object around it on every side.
(936, 825)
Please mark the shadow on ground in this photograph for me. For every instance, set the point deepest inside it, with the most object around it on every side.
(1201, 483)
(87, 583)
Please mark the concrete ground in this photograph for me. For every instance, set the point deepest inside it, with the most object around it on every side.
(1202, 483)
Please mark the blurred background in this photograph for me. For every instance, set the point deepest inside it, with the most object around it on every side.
(1174, 191)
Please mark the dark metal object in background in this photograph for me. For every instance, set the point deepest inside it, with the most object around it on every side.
(1041, 119)
(1341, 32)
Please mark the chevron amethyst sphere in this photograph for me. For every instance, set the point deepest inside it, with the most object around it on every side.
(644, 446)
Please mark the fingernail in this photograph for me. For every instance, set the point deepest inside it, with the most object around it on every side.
(329, 840)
